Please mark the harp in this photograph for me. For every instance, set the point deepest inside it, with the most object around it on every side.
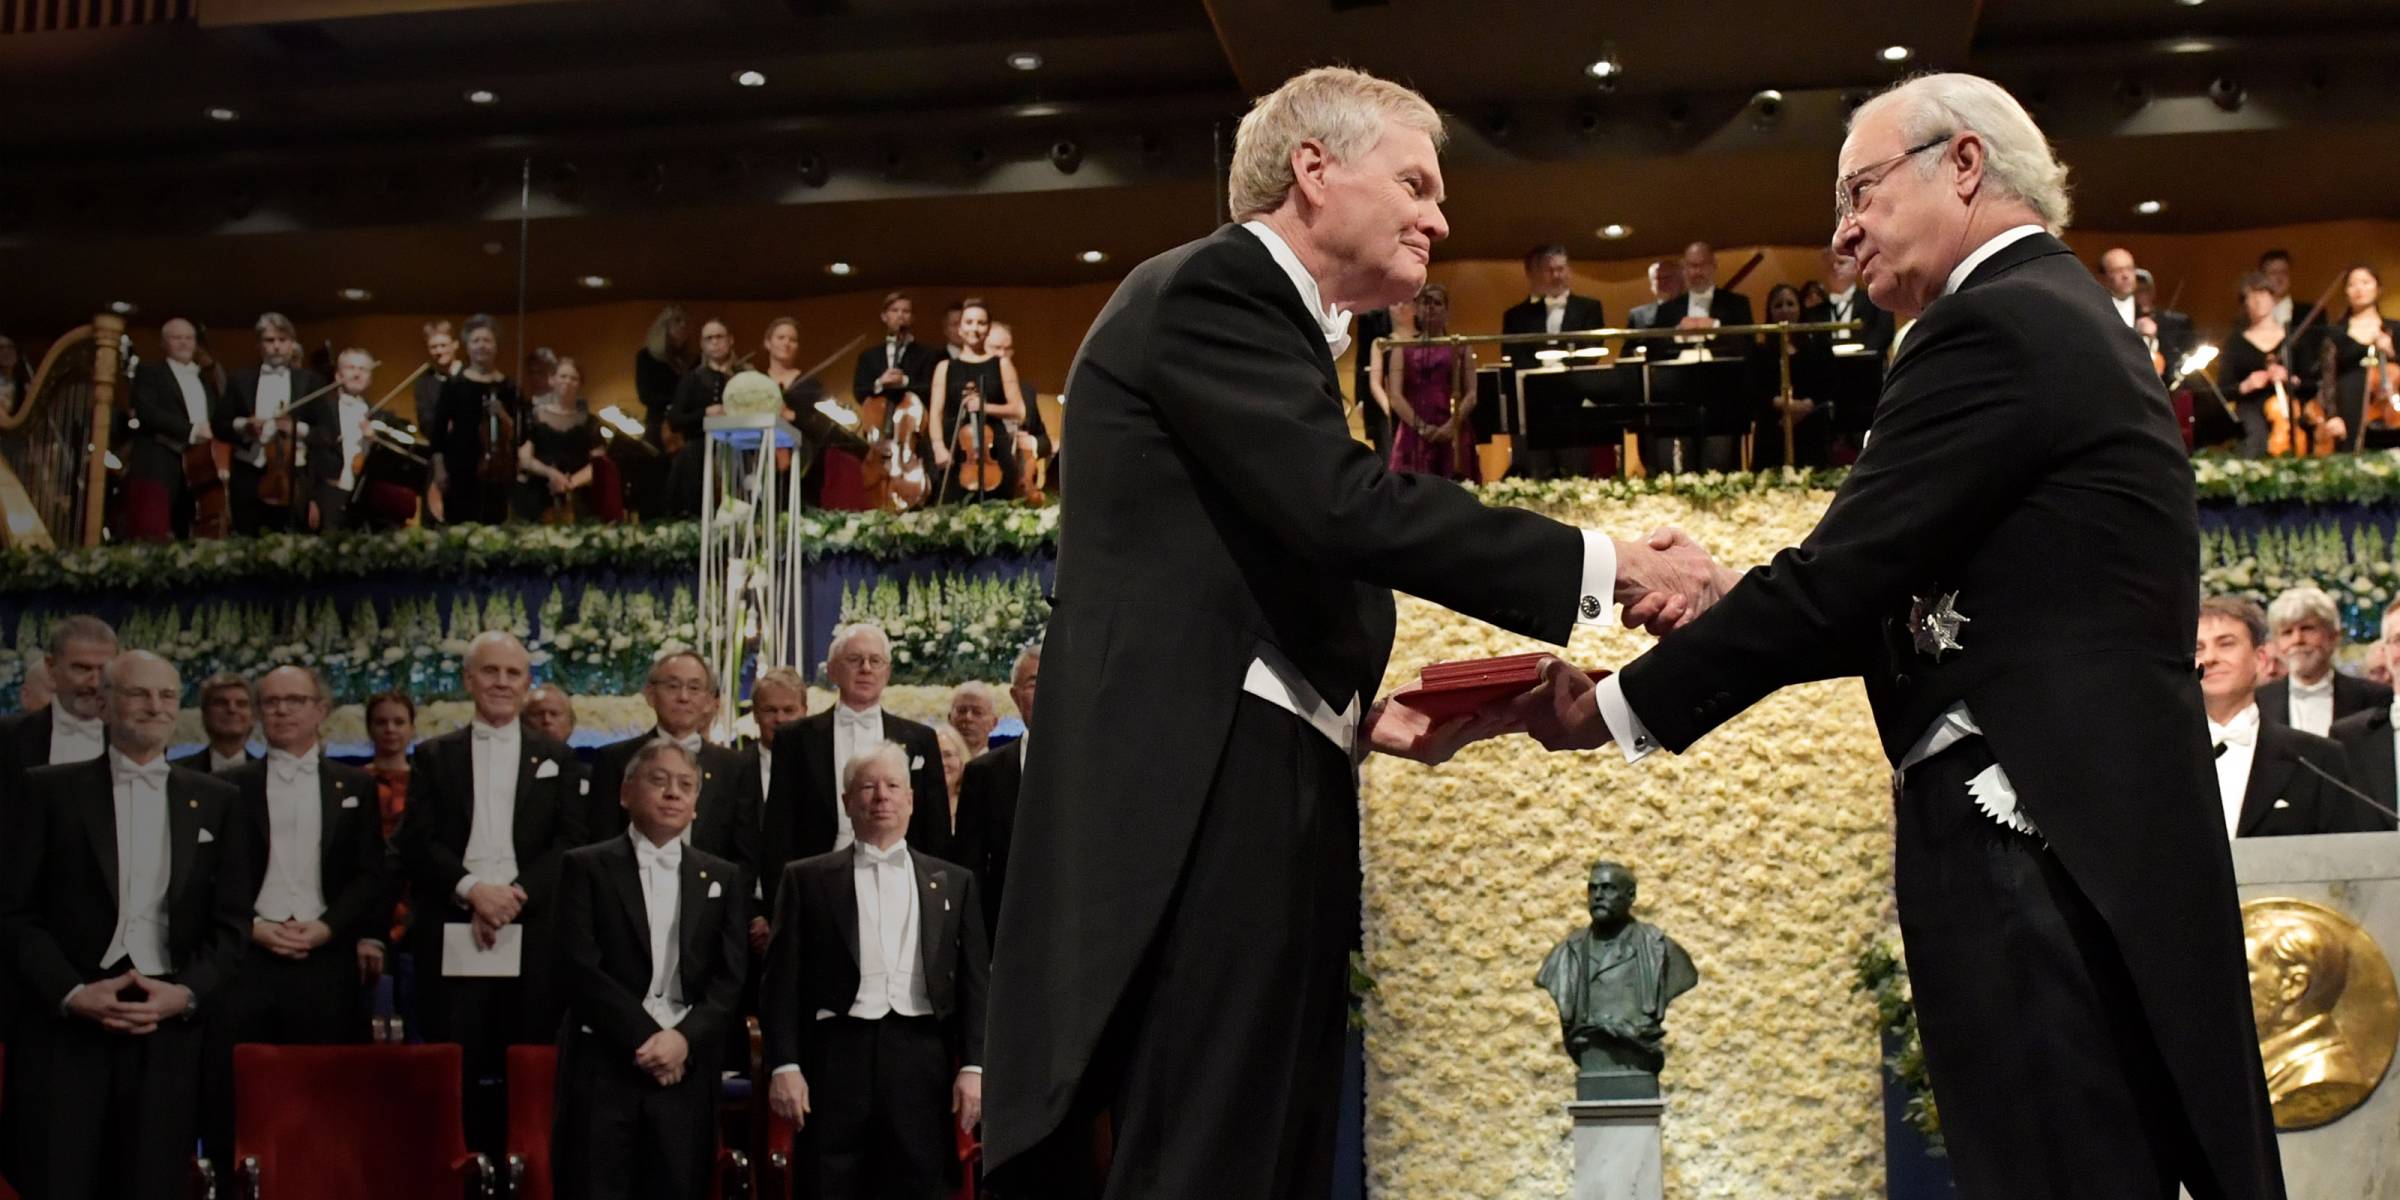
(54, 441)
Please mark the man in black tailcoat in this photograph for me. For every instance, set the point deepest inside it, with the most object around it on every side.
(2012, 567)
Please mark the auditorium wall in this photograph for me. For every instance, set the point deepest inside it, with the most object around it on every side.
(1765, 850)
(1050, 322)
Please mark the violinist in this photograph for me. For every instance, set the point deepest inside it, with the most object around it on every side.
(175, 402)
(1032, 437)
(699, 396)
(476, 434)
(666, 356)
(2252, 370)
(973, 394)
(2343, 351)
(265, 429)
(337, 440)
(555, 449)
(900, 364)
(2170, 330)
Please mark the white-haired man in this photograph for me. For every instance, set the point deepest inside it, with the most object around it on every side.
(124, 905)
(2012, 567)
(261, 406)
(68, 729)
(804, 815)
(491, 807)
(1223, 619)
(337, 439)
(2312, 695)
(177, 406)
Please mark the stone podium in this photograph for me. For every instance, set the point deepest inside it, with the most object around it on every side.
(2354, 1156)
(1616, 1149)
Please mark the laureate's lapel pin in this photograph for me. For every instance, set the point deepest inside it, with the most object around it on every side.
(1935, 625)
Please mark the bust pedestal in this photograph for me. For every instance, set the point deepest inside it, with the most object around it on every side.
(1617, 1149)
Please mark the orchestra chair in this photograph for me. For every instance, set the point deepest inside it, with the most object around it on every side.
(532, 1105)
(360, 1122)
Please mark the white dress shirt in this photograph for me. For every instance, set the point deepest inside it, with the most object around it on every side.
(491, 855)
(218, 764)
(73, 739)
(1953, 725)
(854, 733)
(143, 861)
(1554, 314)
(354, 435)
(274, 395)
(660, 870)
(766, 774)
(294, 888)
(2237, 748)
(1842, 303)
(2283, 312)
(2125, 309)
(1701, 298)
(2311, 709)
(889, 976)
(1272, 677)
(195, 397)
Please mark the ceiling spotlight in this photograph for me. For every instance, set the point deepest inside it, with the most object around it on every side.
(483, 96)
(357, 294)
(2191, 3)
(595, 282)
(1094, 257)
(1605, 68)
(840, 269)
(1025, 60)
(223, 114)
(2150, 208)
(1615, 232)
(1765, 107)
(1038, 110)
(2227, 93)
(751, 79)
(1896, 54)
(2199, 45)
(123, 308)
(1066, 154)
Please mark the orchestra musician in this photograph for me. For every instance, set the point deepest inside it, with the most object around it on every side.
(974, 393)
(699, 396)
(2251, 367)
(261, 409)
(176, 404)
(478, 414)
(2342, 354)
(337, 442)
(555, 450)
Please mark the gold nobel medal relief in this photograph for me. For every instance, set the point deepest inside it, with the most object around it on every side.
(2327, 1009)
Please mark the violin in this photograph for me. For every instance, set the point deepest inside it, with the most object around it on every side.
(206, 464)
(972, 464)
(2380, 397)
(2293, 430)
(1029, 485)
(907, 467)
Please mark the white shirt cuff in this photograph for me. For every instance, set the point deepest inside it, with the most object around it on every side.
(466, 883)
(1632, 736)
(1597, 596)
(970, 1070)
(785, 1069)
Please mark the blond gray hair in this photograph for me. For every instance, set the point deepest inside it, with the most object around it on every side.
(2304, 604)
(2018, 159)
(891, 752)
(1341, 109)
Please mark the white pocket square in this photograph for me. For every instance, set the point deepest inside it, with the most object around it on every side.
(917, 763)
(715, 890)
(548, 769)
(2280, 802)
(349, 802)
(206, 837)
(583, 787)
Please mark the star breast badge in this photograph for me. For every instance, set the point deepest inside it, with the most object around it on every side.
(1934, 624)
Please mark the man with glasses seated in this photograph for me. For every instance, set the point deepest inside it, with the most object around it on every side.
(682, 692)
(804, 811)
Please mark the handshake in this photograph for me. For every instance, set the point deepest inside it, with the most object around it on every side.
(1663, 582)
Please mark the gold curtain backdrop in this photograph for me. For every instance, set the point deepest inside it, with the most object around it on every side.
(1766, 851)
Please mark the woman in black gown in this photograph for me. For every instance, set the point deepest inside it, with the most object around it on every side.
(556, 452)
(2342, 352)
(2250, 369)
(974, 394)
(472, 405)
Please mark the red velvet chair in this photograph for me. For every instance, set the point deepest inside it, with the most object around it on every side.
(360, 1122)
(532, 1100)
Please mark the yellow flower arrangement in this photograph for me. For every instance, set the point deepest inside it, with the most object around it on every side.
(1766, 851)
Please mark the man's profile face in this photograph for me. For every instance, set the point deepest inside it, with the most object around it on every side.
(1904, 235)
(1382, 215)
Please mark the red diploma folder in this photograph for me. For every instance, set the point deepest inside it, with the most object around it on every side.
(1451, 689)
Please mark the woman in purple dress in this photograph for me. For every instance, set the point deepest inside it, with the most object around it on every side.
(1432, 390)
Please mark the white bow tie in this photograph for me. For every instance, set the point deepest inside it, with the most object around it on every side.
(882, 858)
(70, 723)
(490, 733)
(667, 858)
(268, 372)
(690, 742)
(870, 722)
(290, 767)
(2241, 731)
(153, 772)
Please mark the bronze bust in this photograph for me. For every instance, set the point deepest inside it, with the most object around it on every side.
(1612, 982)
